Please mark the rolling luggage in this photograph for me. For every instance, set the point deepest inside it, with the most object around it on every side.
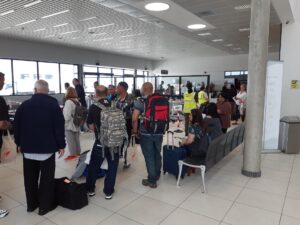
(171, 156)
(69, 194)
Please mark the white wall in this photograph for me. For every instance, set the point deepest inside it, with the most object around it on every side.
(29, 50)
(290, 54)
(215, 66)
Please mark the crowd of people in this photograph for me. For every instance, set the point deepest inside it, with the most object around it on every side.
(42, 129)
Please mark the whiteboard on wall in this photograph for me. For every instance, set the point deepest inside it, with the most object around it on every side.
(272, 106)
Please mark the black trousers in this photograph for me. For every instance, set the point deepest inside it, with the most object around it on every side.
(186, 123)
(39, 183)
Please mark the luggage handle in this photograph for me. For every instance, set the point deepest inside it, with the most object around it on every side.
(170, 132)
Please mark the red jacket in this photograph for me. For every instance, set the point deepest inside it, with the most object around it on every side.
(224, 110)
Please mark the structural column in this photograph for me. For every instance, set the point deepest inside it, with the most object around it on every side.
(258, 55)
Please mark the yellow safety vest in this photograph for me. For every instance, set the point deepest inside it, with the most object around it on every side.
(189, 102)
(202, 97)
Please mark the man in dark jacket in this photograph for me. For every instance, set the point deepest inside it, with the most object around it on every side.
(80, 91)
(39, 134)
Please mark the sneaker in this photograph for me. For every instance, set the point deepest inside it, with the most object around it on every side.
(108, 197)
(3, 213)
(91, 193)
(71, 157)
(146, 182)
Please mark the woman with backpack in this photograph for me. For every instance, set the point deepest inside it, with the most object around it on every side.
(213, 121)
(72, 131)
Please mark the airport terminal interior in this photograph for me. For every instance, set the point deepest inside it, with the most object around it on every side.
(249, 174)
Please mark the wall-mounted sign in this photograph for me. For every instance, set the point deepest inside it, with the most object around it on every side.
(294, 84)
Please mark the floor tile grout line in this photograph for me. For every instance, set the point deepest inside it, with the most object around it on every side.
(287, 190)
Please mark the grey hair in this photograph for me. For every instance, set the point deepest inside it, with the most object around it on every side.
(41, 86)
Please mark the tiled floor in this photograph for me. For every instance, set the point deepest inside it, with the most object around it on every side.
(232, 199)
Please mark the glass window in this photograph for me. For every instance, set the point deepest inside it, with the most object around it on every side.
(130, 82)
(168, 83)
(139, 82)
(197, 82)
(227, 73)
(5, 67)
(90, 69)
(139, 72)
(129, 72)
(25, 75)
(67, 73)
(118, 80)
(50, 73)
(104, 70)
(146, 73)
(105, 80)
(235, 73)
(89, 83)
(118, 72)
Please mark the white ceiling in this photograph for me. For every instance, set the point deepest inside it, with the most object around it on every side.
(122, 28)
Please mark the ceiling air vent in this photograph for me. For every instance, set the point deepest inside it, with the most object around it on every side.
(205, 13)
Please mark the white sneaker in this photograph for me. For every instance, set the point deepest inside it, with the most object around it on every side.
(108, 197)
(3, 213)
(91, 194)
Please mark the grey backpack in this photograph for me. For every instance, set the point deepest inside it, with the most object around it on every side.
(113, 127)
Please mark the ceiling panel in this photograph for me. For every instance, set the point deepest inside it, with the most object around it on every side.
(118, 27)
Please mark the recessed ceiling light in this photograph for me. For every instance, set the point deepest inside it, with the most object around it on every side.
(32, 3)
(217, 40)
(106, 25)
(132, 35)
(204, 34)
(196, 26)
(61, 25)
(20, 24)
(87, 19)
(38, 30)
(55, 14)
(157, 6)
(242, 7)
(70, 32)
(229, 45)
(244, 29)
(7, 12)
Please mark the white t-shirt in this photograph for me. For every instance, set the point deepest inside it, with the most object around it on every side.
(243, 97)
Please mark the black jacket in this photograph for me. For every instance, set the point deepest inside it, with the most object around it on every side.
(39, 125)
(81, 94)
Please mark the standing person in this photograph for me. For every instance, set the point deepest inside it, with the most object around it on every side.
(4, 125)
(39, 134)
(72, 131)
(150, 141)
(188, 105)
(125, 103)
(80, 92)
(99, 153)
(202, 96)
(67, 85)
(96, 84)
(241, 99)
(161, 89)
(231, 94)
(111, 94)
(224, 110)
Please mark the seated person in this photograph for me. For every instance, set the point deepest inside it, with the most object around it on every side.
(197, 140)
(212, 121)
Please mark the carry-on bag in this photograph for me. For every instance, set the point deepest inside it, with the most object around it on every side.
(69, 194)
(171, 156)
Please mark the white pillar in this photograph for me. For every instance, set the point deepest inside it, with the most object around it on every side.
(258, 54)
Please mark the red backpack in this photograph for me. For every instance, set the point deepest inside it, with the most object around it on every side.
(156, 116)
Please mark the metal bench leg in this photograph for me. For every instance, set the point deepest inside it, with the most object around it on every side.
(180, 164)
(203, 168)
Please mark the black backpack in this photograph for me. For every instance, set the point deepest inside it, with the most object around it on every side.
(156, 116)
(80, 114)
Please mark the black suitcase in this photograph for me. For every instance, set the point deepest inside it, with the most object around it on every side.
(69, 194)
(171, 156)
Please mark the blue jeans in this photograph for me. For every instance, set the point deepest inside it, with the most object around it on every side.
(151, 148)
(94, 166)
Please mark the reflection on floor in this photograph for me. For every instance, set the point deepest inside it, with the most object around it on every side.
(231, 199)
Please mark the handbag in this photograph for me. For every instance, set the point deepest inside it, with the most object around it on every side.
(8, 149)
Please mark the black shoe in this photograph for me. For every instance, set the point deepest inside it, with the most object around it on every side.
(43, 212)
(31, 209)
(126, 165)
(146, 182)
